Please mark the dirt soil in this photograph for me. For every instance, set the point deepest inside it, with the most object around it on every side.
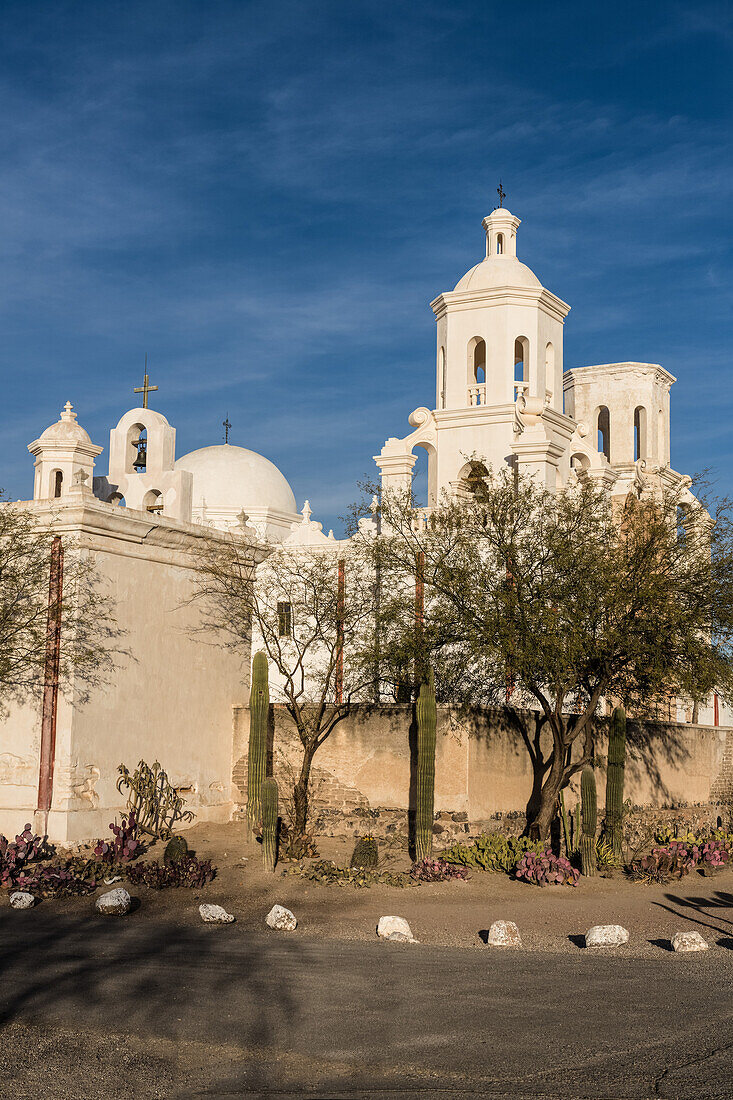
(450, 914)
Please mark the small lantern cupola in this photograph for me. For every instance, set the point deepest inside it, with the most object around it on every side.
(501, 233)
(64, 454)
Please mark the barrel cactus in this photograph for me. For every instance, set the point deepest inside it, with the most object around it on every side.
(615, 781)
(427, 718)
(176, 850)
(590, 818)
(269, 796)
(259, 709)
(366, 853)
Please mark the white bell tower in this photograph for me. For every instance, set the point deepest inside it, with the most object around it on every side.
(499, 369)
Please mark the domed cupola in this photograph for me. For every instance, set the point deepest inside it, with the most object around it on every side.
(229, 480)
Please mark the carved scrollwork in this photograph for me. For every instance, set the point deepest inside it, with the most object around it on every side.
(419, 417)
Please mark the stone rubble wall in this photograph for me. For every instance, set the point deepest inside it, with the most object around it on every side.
(483, 773)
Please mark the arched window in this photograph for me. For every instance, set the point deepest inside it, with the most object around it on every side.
(476, 360)
(57, 483)
(639, 433)
(521, 359)
(604, 432)
(473, 478)
(153, 501)
(476, 371)
(499, 244)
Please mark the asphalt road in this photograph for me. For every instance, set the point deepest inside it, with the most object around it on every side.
(134, 1007)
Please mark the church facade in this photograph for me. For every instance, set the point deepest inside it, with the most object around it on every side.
(502, 397)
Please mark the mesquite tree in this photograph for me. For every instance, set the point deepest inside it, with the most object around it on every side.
(77, 602)
(309, 609)
(556, 600)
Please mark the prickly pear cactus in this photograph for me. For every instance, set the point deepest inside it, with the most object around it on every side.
(175, 850)
(259, 709)
(615, 781)
(427, 718)
(366, 853)
(590, 820)
(269, 823)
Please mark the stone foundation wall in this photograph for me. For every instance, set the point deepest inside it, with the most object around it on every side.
(482, 771)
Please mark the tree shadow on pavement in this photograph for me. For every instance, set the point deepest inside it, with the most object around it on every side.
(110, 974)
(703, 907)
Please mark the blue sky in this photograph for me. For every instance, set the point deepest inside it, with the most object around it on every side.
(265, 197)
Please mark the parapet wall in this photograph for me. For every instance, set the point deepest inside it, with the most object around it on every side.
(482, 765)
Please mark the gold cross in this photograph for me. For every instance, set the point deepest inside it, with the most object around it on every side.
(146, 388)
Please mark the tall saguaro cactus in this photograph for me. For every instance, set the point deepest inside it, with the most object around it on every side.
(615, 780)
(269, 795)
(590, 820)
(427, 720)
(259, 707)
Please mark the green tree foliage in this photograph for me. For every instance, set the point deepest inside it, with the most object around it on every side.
(89, 633)
(311, 611)
(554, 600)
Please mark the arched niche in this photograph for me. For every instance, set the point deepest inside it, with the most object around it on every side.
(640, 444)
(603, 426)
(476, 360)
(521, 360)
(153, 501)
(432, 473)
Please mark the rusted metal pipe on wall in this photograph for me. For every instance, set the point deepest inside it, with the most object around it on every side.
(51, 681)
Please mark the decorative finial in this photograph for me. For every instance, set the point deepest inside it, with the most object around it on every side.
(146, 388)
(68, 414)
(306, 513)
(501, 193)
(227, 426)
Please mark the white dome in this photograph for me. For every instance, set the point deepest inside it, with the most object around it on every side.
(228, 477)
(66, 430)
(499, 271)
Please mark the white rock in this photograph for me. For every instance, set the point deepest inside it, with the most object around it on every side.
(389, 925)
(504, 933)
(689, 941)
(606, 935)
(281, 919)
(400, 937)
(214, 914)
(115, 903)
(21, 900)
(111, 881)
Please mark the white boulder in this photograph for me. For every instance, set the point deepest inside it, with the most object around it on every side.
(504, 933)
(389, 928)
(21, 900)
(606, 935)
(115, 903)
(281, 919)
(689, 941)
(214, 914)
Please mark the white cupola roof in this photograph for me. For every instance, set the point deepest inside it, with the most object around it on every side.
(67, 429)
(229, 478)
(500, 267)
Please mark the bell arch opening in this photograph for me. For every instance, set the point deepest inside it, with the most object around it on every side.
(603, 423)
(136, 452)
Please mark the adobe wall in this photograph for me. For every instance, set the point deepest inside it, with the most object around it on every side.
(168, 699)
(482, 766)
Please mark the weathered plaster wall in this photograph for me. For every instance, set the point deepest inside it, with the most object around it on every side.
(169, 699)
(482, 766)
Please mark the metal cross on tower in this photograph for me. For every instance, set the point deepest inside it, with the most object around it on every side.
(501, 193)
(227, 426)
(146, 388)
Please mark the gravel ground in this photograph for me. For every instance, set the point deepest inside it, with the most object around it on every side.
(451, 914)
